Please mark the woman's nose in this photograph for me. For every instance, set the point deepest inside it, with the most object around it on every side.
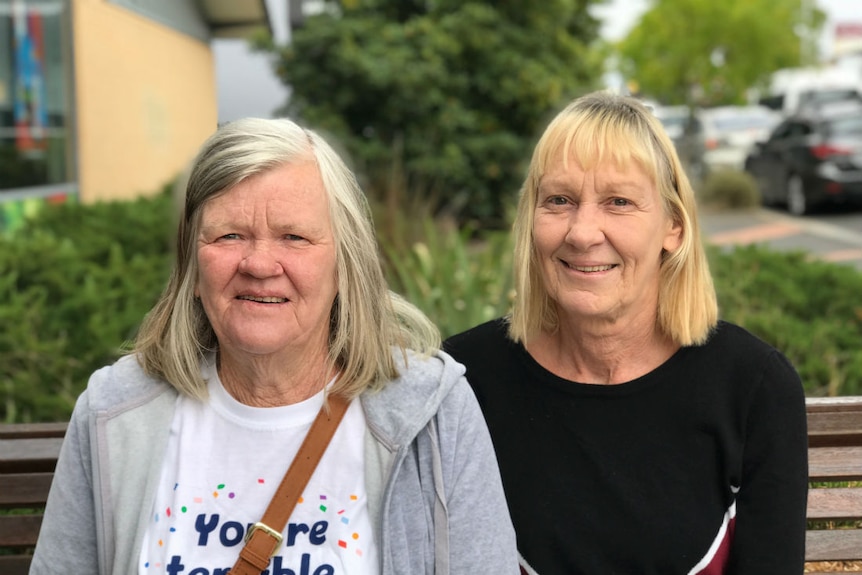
(586, 227)
(259, 261)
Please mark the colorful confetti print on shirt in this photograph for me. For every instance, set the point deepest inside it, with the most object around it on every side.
(348, 540)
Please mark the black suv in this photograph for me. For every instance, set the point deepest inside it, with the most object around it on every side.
(811, 158)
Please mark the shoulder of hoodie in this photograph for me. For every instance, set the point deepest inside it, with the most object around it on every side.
(426, 385)
(400, 409)
(123, 385)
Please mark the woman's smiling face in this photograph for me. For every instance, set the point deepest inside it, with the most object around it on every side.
(599, 235)
(267, 263)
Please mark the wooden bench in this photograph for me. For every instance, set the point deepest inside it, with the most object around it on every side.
(28, 454)
(834, 456)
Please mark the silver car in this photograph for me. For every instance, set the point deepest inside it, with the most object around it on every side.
(730, 133)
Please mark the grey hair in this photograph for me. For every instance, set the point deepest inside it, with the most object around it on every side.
(367, 320)
(597, 127)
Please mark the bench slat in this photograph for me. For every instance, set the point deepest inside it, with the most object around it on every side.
(819, 564)
(834, 421)
(834, 503)
(832, 404)
(19, 530)
(823, 421)
(29, 455)
(24, 489)
(837, 439)
(15, 564)
(30, 430)
(835, 463)
(833, 545)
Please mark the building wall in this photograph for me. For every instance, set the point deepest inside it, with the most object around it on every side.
(145, 99)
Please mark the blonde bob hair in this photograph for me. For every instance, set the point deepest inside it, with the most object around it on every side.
(605, 127)
(366, 320)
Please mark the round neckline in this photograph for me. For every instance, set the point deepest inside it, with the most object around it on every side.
(277, 417)
(636, 385)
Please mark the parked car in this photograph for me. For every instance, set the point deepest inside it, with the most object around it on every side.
(730, 132)
(685, 129)
(795, 89)
(812, 158)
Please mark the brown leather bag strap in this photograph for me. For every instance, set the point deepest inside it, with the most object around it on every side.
(263, 539)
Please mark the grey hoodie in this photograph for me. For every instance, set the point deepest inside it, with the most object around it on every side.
(434, 489)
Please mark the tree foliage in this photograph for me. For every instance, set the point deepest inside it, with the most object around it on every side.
(709, 52)
(439, 97)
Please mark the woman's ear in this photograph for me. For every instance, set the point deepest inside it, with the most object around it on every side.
(673, 237)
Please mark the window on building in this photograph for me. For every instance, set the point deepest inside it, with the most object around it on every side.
(35, 119)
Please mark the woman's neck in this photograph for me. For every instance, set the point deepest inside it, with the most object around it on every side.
(609, 354)
(271, 381)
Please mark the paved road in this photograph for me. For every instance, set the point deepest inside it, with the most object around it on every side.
(777, 230)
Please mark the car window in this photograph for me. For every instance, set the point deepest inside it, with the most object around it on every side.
(827, 96)
(743, 122)
(673, 121)
(780, 132)
(798, 129)
(775, 102)
(845, 126)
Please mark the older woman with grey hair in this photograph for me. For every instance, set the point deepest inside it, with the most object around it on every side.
(277, 310)
(660, 439)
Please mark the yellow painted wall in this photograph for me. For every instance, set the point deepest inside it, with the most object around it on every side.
(145, 100)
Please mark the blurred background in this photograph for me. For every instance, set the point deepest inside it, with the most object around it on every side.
(436, 104)
(110, 99)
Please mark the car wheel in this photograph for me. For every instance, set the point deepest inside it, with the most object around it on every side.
(796, 202)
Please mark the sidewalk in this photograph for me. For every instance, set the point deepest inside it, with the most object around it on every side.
(784, 233)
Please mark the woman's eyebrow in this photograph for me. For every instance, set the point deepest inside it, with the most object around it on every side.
(557, 184)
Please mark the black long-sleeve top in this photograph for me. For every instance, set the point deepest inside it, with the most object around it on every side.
(698, 467)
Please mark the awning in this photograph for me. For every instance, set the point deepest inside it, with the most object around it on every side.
(236, 18)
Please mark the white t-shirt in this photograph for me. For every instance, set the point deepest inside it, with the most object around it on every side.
(223, 463)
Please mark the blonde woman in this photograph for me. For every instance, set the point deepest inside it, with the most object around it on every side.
(636, 433)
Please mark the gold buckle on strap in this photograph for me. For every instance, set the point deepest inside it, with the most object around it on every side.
(269, 531)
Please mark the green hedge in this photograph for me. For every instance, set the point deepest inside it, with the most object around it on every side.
(75, 284)
(809, 309)
(76, 281)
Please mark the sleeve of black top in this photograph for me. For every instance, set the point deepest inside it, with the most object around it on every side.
(769, 535)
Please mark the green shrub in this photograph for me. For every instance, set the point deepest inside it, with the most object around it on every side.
(459, 278)
(143, 227)
(810, 310)
(456, 280)
(729, 189)
(76, 281)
